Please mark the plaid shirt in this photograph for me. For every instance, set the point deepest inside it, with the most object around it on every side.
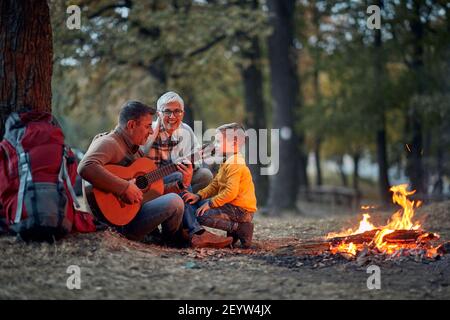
(165, 149)
(162, 147)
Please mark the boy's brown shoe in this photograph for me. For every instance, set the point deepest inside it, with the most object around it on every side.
(210, 240)
(244, 233)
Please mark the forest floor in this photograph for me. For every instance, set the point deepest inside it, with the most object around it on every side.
(115, 268)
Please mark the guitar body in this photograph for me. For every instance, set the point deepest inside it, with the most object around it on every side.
(114, 209)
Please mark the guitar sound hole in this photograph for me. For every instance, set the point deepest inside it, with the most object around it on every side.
(141, 182)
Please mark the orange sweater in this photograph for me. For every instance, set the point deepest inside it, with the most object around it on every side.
(233, 184)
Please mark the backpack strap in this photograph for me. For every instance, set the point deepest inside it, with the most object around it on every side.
(14, 130)
(25, 178)
(23, 165)
(64, 175)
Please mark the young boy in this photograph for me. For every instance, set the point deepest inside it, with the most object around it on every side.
(228, 202)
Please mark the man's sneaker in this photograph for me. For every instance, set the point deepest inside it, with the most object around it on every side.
(244, 233)
(208, 239)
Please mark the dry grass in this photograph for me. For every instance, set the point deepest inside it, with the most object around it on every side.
(114, 267)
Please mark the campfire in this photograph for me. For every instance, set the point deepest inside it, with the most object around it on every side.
(401, 236)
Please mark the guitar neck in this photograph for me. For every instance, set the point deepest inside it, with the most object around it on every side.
(160, 173)
(171, 168)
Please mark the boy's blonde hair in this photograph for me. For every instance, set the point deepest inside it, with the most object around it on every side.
(237, 131)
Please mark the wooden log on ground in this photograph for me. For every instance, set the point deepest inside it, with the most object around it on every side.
(359, 238)
(409, 236)
(398, 236)
(315, 245)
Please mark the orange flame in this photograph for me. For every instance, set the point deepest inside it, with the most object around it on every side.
(343, 247)
(402, 219)
(379, 239)
(364, 225)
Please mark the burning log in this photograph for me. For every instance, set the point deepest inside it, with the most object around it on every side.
(314, 246)
(359, 238)
(397, 236)
(405, 236)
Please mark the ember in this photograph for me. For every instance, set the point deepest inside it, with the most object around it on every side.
(400, 236)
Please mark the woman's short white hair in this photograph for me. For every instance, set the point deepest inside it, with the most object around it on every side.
(167, 98)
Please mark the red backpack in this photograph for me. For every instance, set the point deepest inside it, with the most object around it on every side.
(37, 174)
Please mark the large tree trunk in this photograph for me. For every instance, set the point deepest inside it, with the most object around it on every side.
(443, 129)
(25, 57)
(256, 116)
(381, 143)
(415, 164)
(317, 91)
(285, 90)
(443, 154)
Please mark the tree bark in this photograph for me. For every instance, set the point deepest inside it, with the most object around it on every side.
(415, 164)
(381, 143)
(317, 92)
(285, 92)
(256, 115)
(26, 55)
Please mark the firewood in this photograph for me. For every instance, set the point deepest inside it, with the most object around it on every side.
(359, 238)
(404, 236)
(314, 246)
(398, 236)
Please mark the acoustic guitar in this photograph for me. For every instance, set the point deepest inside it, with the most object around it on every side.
(148, 178)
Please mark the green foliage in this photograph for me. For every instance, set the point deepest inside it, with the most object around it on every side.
(138, 50)
(341, 49)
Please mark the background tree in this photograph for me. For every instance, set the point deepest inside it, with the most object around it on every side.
(251, 69)
(285, 94)
(380, 106)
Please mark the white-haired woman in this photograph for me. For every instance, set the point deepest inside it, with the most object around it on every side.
(171, 140)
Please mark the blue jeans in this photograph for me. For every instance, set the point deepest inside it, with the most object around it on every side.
(189, 219)
(166, 211)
